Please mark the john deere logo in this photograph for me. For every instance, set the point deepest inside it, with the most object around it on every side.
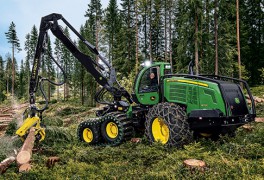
(237, 100)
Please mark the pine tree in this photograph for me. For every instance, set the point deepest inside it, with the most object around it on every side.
(21, 81)
(112, 26)
(12, 38)
(127, 43)
(251, 41)
(2, 82)
(8, 73)
(33, 43)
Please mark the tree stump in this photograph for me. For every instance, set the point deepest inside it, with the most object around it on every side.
(24, 155)
(247, 127)
(194, 164)
(52, 160)
(135, 140)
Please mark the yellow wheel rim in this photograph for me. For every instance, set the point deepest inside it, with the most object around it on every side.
(87, 135)
(160, 130)
(112, 130)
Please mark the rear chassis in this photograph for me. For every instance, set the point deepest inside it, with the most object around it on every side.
(214, 121)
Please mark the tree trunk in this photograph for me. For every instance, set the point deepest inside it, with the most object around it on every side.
(136, 26)
(13, 70)
(238, 39)
(216, 36)
(97, 47)
(25, 153)
(150, 34)
(196, 44)
(165, 29)
(170, 39)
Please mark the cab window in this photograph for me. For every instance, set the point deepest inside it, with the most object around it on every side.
(149, 81)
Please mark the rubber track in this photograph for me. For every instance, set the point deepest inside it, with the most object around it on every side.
(125, 126)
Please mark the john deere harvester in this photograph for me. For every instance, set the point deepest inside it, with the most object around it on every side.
(169, 108)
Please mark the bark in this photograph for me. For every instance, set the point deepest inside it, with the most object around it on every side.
(25, 153)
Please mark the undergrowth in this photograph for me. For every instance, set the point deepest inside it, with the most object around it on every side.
(240, 157)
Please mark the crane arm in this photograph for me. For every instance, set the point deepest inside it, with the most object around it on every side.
(50, 22)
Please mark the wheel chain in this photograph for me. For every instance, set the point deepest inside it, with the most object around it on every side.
(176, 120)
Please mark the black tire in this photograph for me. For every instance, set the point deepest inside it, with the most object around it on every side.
(167, 122)
(89, 131)
(116, 128)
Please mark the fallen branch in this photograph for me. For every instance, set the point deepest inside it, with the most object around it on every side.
(6, 163)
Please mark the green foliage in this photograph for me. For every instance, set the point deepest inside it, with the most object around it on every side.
(11, 128)
(239, 157)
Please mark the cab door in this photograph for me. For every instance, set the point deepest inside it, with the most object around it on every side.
(147, 92)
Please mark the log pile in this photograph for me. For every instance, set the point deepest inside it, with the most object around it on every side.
(256, 98)
(7, 114)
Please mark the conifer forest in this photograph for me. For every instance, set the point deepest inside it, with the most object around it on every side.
(219, 37)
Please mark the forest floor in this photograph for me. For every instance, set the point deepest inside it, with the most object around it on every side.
(239, 157)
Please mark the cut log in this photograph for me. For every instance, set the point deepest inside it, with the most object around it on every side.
(247, 127)
(259, 119)
(3, 121)
(6, 115)
(6, 163)
(25, 153)
(193, 164)
(3, 127)
(135, 140)
(24, 167)
(258, 100)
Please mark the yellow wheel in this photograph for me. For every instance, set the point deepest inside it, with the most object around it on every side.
(167, 123)
(87, 135)
(116, 128)
(112, 130)
(89, 131)
(160, 130)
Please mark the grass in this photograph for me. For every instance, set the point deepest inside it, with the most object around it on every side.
(241, 157)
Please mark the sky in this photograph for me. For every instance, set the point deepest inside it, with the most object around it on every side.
(26, 13)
